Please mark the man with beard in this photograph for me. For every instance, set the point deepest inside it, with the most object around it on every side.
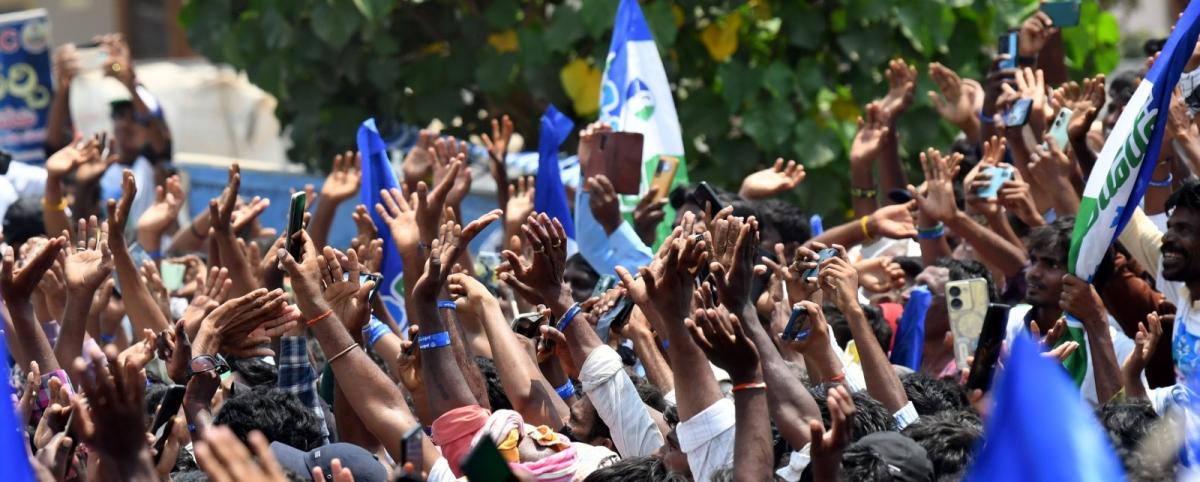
(1173, 258)
(1048, 247)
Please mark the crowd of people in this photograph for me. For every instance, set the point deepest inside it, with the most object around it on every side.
(271, 358)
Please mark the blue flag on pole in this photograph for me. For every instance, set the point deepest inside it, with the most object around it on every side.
(1041, 430)
(12, 435)
(377, 175)
(909, 346)
(550, 196)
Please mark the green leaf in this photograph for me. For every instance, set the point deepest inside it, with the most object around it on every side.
(738, 82)
(533, 47)
(778, 79)
(662, 23)
(1108, 32)
(769, 124)
(502, 14)
(803, 25)
(279, 32)
(598, 16)
(495, 72)
(564, 28)
(374, 10)
(335, 23)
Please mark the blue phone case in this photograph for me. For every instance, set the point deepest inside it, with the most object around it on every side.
(999, 174)
(1018, 114)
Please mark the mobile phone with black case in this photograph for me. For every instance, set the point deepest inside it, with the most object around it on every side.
(164, 417)
(412, 452)
(987, 351)
(295, 224)
(705, 195)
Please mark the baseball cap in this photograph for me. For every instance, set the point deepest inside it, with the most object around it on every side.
(906, 460)
(358, 460)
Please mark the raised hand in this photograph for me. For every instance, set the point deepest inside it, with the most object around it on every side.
(1050, 164)
(365, 226)
(225, 459)
(69, 158)
(979, 177)
(18, 286)
(253, 317)
(1030, 84)
(112, 420)
(497, 147)
(1035, 32)
(540, 280)
(720, 335)
(141, 353)
(419, 161)
(88, 262)
(894, 221)
(520, 202)
(646, 217)
(220, 210)
(96, 161)
(447, 151)
(451, 241)
(345, 294)
(408, 362)
(1015, 196)
(902, 81)
(773, 180)
(937, 201)
(154, 283)
(118, 212)
(959, 100)
(669, 283)
(400, 215)
(1085, 103)
(792, 274)
(118, 63)
(244, 220)
(604, 203)
(1145, 343)
(827, 447)
(344, 178)
(734, 275)
(168, 200)
(839, 280)
(211, 292)
(872, 134)
(879, 275)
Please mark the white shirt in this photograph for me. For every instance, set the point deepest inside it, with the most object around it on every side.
(707, 439)
(440, 472)
(1122, 346)
(617, 403)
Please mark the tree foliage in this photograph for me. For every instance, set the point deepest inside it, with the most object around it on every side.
(753, 81)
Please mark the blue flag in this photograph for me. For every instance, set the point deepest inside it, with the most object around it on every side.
(12, 435)
(909, 346)
(25, 104)
(1040, 429)
(550, 196)
(377, 175)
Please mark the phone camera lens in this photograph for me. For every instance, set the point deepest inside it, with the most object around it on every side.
(956, 304)
(955, 291)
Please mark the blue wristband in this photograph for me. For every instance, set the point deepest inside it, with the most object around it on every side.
(567, 317)
(154, 255)
(436, 340)
(935, 232)
(566, 391)
(985, 119)
(447, 304)
(107, 339)
(1164, 183)
(375, 330)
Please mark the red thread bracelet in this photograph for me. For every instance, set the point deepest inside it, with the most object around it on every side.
(839, 377)
(319, 318)
(749, 386)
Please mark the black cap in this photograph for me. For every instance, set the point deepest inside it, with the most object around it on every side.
(905, 459)
(360, 462)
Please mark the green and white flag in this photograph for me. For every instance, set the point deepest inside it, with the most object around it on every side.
(636, 97)
(1123, 169)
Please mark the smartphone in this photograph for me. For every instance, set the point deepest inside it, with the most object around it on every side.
(614, 318)
(91, 58)
(1008, 45)
(411, 451)
(172, 275)
(164, 417)
(485, 264)
(485, 464)
(528, 324)
(999, 175)
(798, 327)
(967, 300)
(1063, 14)
(295, 223)
(605, 283)
(1018, 114)
(664, 174)
(1058, 130)
(617, 156)
(823, 255)
(705, 195)
(987, 351)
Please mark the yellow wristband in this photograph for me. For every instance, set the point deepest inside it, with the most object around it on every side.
(863, 224)
(61, 206)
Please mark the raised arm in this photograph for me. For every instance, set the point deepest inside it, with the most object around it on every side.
(868, 146)
(902, 81)
(139, 304)
(168, 200)
(528, 390)
(17, 289)
(86, 264)
(220, 215)
(840, 282)
(893, 221)
(341, 184)
(58, 167)
(1079, 298)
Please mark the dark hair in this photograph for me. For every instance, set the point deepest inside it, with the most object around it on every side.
(650, 394)
(1187, 196)
(23, 220)
(1053, 238)
(841, 327)
(911, 265)
(949, 439)
(931, 395)
(787, 218)
(862, 463)
(279, 415)
(635, 469)
(1121, 87)
(255, 371)
(495, 391)
(870, 415)
(1127, 423)
(961, 269)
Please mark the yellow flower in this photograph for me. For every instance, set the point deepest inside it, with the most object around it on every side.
(581, 81)
(436, 48)
(505, 41)
(762, 9)
(721, 37)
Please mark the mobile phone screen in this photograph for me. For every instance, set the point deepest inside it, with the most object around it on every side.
(823, 255)
(987, 351)
(798, 327)
(295, 223)
(706, 195)
(1009, 45)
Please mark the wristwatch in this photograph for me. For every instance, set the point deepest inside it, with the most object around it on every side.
(207, 363)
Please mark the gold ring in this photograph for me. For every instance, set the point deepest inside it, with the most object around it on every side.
(539, 249)
(556, 243)
(116, 67)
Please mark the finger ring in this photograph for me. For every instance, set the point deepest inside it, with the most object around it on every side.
(692, 271)
(116, 67)
(556, 244)
(539, 249)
